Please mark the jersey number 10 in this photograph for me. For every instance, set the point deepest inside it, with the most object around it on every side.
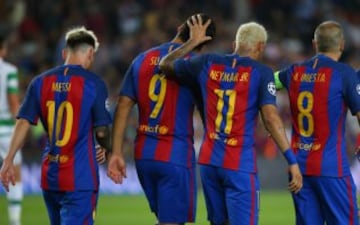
(65, 108)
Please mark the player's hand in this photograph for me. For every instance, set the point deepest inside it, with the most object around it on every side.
(116, 168)
(198, 29)
(7, 174)
(100, 154)
(296, 181)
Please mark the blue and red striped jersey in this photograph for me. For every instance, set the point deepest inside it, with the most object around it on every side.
(320, 92)
(165, 131)
(70, 102)
(233, 89)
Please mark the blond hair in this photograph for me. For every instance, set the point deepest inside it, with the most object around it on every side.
(248, 34)
(78, 36)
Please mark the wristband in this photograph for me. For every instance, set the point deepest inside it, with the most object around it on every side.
(290, 156)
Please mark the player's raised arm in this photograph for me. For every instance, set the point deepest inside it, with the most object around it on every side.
(275, 127)
(197, 37)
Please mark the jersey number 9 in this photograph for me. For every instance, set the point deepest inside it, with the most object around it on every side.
(157, 96)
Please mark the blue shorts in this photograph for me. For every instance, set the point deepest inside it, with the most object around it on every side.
(71, 208)
(231, 196)
(329, 200)
(170, 190)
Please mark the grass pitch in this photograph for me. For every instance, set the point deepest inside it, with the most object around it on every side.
(275, 208)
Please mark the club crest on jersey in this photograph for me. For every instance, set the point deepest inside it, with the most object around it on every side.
(271, 88)
(358, 89)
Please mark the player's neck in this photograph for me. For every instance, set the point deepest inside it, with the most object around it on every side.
(76, 61)
(250, 54)
(332, 55)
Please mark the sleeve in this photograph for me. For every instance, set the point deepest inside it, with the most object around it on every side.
(352, 90)
(189, 69)
(267, 90)
(127, 86)
(12, 82)
(30, 108)
(101, 115)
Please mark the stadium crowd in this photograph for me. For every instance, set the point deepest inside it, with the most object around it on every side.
(128, 27)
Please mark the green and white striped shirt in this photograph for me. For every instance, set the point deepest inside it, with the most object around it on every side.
(9, 83)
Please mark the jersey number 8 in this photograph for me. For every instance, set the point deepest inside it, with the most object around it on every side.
(305, 112)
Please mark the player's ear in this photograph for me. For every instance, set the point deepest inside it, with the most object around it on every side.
(64, 54)
(342, 45)
(90, 53)
(260, 47)
(314, 45)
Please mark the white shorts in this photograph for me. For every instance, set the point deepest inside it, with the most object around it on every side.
(4, 148)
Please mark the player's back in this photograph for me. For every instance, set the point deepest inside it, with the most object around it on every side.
(165, 131)
(67, 97)
(319, 92)
(233, 90)
(8, 84)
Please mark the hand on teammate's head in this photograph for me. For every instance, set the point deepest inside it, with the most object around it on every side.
(184, 29)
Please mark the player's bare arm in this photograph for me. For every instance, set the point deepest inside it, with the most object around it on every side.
(275, 127)
(117, 168)
(197, 36)
(14, 103)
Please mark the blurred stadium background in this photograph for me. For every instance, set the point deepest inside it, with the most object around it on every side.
(127, 27)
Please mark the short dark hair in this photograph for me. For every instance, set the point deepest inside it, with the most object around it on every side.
(184, 33)
(79, 36)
